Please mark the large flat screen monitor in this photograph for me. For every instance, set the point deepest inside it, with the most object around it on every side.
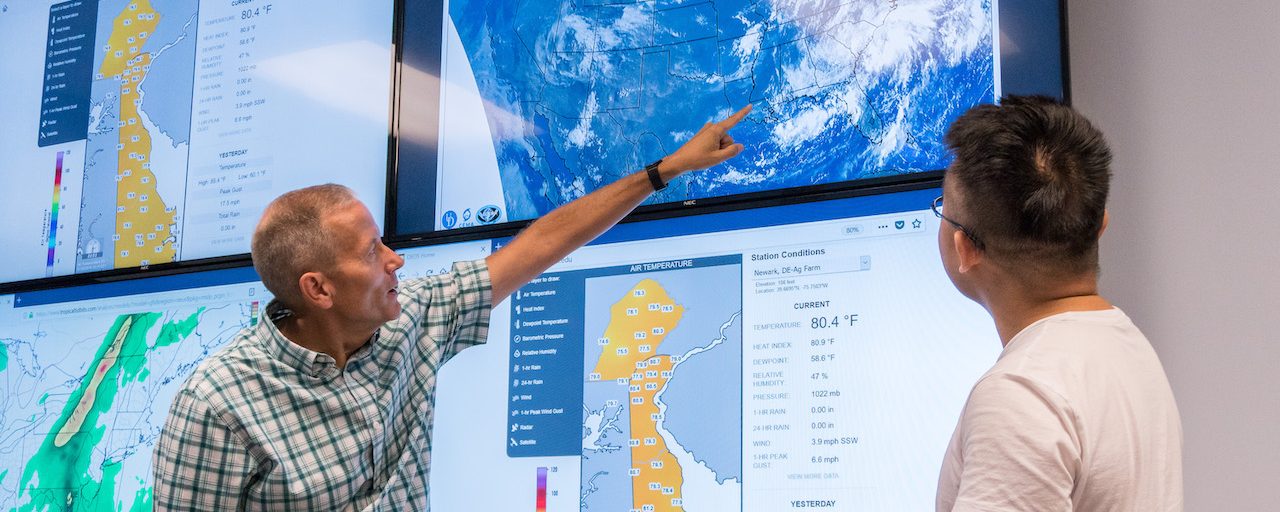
(87, 374)
(135, 133)
(805, 356)
(516, 107)
(748, 360)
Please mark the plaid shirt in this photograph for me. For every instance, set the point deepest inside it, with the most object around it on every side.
(265, 424)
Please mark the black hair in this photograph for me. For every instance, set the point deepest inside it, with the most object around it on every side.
(1034, 176)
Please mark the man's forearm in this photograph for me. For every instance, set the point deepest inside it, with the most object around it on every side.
(571, 226)
(554, 236)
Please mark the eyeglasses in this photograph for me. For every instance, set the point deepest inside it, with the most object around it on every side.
(937, 210)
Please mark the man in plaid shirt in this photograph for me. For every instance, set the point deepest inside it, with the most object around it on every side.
(328, 404)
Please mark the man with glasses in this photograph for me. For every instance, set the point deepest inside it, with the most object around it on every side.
(1077, 413)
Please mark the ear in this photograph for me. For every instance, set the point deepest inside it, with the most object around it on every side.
(967, 255)
(1106, 219)
(315, 290)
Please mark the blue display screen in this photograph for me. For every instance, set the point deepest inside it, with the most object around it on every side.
(540, 105)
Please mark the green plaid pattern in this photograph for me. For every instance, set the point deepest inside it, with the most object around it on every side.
(265, 424)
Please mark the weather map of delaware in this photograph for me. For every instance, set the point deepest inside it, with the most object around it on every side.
(139, 127)
(139, 133)
(653, 438)
(579, 93)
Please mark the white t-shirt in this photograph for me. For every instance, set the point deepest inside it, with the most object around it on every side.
(1076, 415)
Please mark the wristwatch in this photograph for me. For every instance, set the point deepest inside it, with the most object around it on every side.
(654, 178)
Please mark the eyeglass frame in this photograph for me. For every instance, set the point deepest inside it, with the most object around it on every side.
(936, 207)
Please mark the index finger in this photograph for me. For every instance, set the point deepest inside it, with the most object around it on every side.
(733, 120)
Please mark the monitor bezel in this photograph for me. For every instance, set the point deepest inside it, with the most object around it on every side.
(920, 182)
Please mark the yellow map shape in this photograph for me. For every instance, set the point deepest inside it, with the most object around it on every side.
(656, 475)
(638, 324)
(143, 222)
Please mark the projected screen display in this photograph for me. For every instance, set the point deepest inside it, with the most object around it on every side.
(140, 132)
(541, 103)
(87, 375)
(811, 355)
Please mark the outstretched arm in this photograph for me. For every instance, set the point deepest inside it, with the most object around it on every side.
(565, 229)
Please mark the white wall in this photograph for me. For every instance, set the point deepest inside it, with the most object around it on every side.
(1188, 93)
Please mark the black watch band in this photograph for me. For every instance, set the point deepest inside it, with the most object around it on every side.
(654, 178)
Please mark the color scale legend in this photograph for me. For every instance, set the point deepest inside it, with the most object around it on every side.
(53, 215)
(542, 490)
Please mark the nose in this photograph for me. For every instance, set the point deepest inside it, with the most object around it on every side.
(395, 262)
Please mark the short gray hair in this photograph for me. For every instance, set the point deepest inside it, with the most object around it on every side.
(291, 238)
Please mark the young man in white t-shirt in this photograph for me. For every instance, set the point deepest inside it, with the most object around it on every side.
(1077, 414)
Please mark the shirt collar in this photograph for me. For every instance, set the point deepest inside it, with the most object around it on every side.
(306, 361)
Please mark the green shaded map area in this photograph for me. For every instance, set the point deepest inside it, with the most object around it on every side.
(59, 476)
